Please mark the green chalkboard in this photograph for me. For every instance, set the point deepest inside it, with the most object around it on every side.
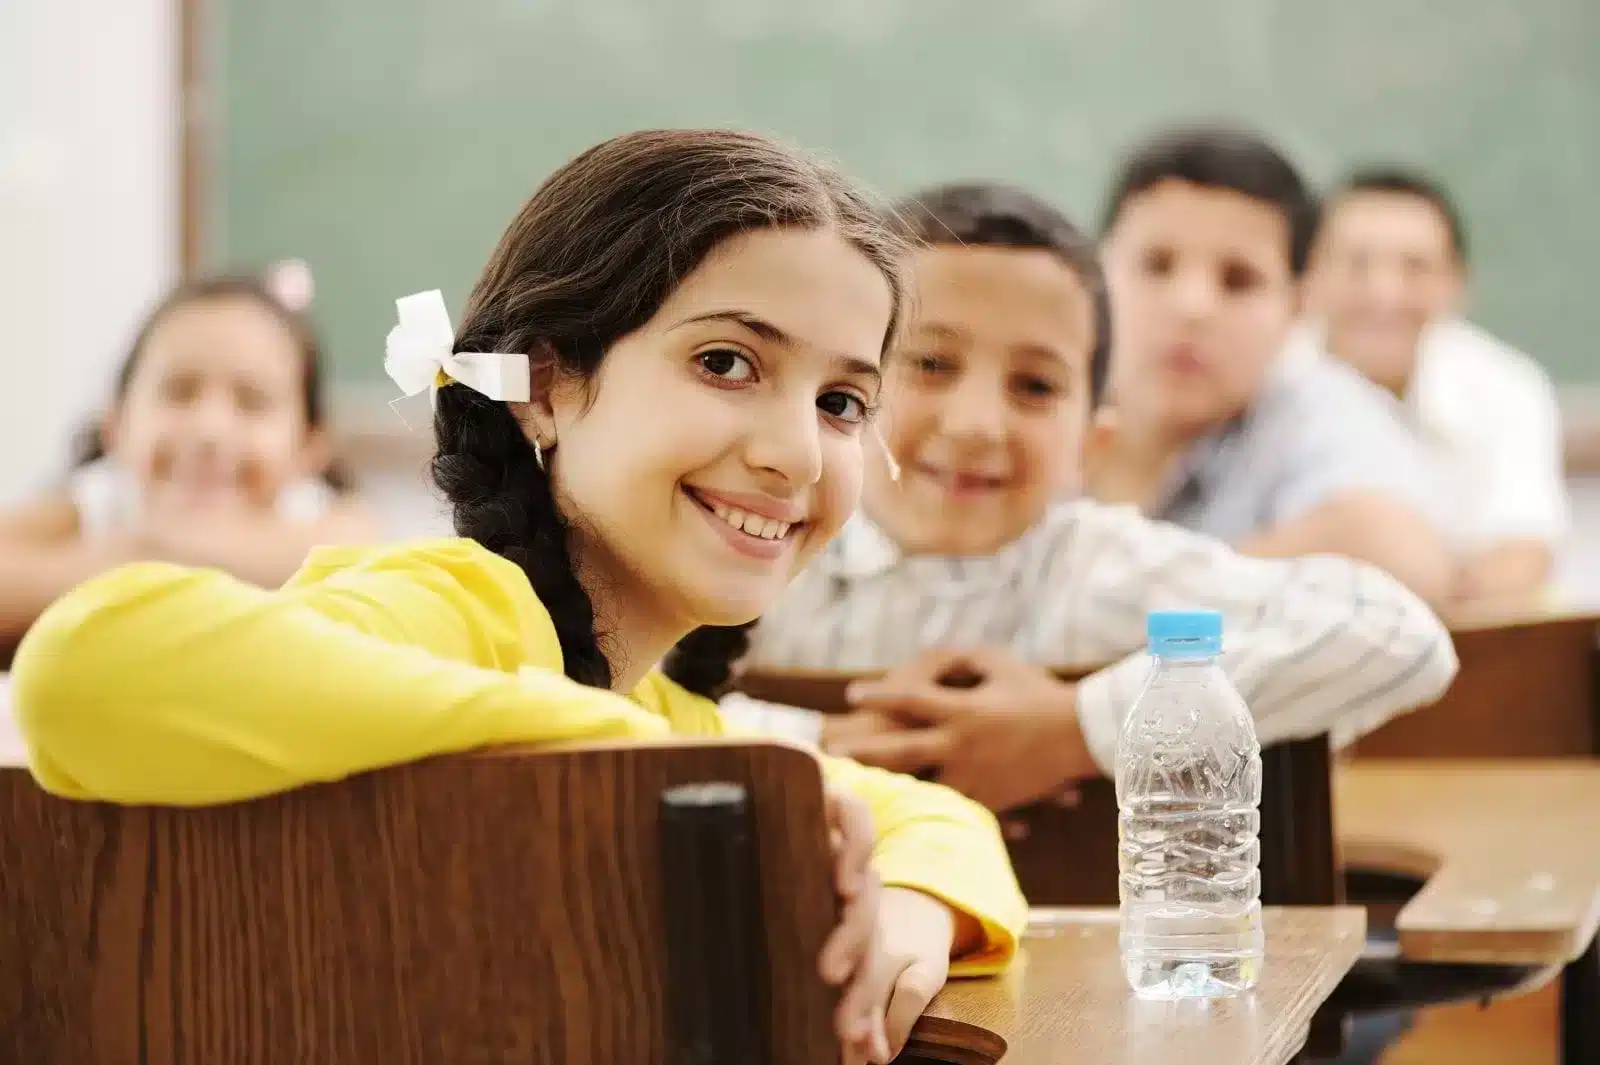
(389, 141)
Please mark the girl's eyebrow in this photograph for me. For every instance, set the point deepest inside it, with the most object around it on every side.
(848, 364)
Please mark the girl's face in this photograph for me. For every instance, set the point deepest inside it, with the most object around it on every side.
(719, 446)
(214, 414)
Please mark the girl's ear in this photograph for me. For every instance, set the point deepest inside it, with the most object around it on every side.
(537, 416)
(316, 455)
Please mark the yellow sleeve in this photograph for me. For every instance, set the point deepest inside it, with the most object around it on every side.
(157, 684)
(939, 842)
(930, 838)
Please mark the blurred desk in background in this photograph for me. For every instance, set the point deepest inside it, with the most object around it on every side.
(1529, 687)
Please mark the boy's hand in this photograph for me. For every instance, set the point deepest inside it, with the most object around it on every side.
(1006, 737)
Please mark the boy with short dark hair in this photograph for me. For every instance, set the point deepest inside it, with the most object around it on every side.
(1207, 231)
(1385, 289)
(981, 558)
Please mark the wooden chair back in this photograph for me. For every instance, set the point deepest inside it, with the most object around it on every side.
(604, 904)
(1067, 856)
(1529, 687)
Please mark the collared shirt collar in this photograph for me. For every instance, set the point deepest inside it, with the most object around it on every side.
(863, 551)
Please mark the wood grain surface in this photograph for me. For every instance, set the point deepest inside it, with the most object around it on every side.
(1066, 1000)
(491, 908)
(1510, 851)
(1529, 687)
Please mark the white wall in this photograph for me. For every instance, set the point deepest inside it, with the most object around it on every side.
(88, 210)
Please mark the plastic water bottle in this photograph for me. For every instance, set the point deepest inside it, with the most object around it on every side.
(1189, 798)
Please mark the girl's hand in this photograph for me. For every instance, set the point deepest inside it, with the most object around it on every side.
(891, 950)
(916, 933)
(847, 955)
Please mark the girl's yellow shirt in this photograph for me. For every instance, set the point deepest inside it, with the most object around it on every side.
(163, 685)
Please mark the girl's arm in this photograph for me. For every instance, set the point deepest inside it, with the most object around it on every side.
(265, 551)
(157, 684)
(938, 842)
(42, 557)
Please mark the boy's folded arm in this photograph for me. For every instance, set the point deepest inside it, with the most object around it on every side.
(164, 685)
(1314, 645)
(936, 841)
(1371, 527)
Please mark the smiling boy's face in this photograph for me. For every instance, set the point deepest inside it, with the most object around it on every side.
(987, 401)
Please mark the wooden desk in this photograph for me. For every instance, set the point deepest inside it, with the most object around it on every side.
(1529, 687)
(1510, 852)
(1066, 1001)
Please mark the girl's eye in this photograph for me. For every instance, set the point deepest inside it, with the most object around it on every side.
(180, 389)
(933, 364)
(1158, 262)
(727, 365)
(842, 405)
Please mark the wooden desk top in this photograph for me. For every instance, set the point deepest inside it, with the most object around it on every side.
(1065, 1001)
(1510, 851)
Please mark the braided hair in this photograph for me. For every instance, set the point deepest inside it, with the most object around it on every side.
(590, 258)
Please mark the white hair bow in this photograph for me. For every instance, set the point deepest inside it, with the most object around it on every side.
(418, 351)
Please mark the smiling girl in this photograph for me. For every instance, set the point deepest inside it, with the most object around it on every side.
(215, 452)
(650, 419)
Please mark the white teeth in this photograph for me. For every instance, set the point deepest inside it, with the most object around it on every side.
(752, 524)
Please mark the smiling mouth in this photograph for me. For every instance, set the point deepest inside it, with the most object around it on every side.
(962, 483)
(754, 526)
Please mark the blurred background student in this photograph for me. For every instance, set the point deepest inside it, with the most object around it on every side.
(214, 452)
(1386, 293)
(1206, 237)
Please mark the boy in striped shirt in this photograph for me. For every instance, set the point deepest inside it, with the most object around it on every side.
(981, 559)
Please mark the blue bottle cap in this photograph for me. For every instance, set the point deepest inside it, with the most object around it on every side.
(1180, 633)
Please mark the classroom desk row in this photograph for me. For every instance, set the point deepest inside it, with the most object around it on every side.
(124, 915)
(366, 920)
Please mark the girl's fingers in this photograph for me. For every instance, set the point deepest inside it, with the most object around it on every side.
(851, 825)
(851, 940)
(913, 991)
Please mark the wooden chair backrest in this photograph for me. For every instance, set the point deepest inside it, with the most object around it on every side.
(1068, 856)
(1529, 687)
(512, 906)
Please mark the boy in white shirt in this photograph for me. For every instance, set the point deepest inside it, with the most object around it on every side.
(1387, 277)
(981, 560)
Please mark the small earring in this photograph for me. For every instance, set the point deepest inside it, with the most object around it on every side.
(538, 455)
(894, 467)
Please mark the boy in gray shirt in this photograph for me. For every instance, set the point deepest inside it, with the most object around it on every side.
(1215, 428)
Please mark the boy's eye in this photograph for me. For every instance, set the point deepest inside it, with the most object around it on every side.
(726, 364)
(1036, 388)
(253, 400)
(1237, 277)
(933, 364)
(842, 405)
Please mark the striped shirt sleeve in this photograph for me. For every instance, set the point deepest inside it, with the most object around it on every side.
(1313, 645)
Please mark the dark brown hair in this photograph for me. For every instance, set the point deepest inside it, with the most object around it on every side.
(90, 446)
(590, 258)
(1400, 181)
(991, 214)
(1221, 156)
